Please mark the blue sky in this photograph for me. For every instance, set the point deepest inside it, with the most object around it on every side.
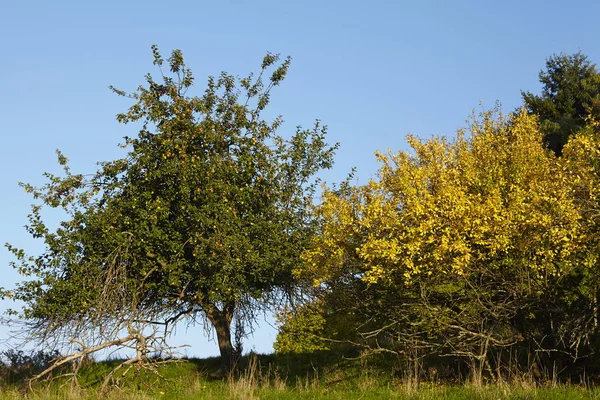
(373, 71)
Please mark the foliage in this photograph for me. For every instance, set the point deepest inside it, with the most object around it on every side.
(17, 365)
(570, 93)
(301, 331)
(204, 218)
(471, 246)
(451, 206)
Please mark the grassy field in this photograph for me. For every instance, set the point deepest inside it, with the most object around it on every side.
(269, 377)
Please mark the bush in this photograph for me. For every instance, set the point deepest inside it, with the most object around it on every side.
(17, 365)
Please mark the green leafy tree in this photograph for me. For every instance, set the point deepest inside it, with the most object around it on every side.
(204, 219)
(570, 93)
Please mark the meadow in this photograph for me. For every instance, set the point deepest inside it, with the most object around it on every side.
(316, 376)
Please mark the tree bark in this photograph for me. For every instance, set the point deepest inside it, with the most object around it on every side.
(221, 321)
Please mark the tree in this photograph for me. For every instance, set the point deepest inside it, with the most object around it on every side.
(204, 219)
(465, 247)
(570, 93)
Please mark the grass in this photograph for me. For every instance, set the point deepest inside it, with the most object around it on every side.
(318, 376)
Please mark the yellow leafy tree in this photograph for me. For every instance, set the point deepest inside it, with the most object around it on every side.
(477, 236)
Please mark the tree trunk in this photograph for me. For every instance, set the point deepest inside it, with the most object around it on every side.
(221, 321)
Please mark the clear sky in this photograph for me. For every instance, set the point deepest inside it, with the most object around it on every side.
(373, 71)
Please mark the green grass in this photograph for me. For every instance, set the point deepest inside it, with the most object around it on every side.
(317, 376)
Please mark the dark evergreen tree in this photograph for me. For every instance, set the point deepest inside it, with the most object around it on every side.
(570, 94)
